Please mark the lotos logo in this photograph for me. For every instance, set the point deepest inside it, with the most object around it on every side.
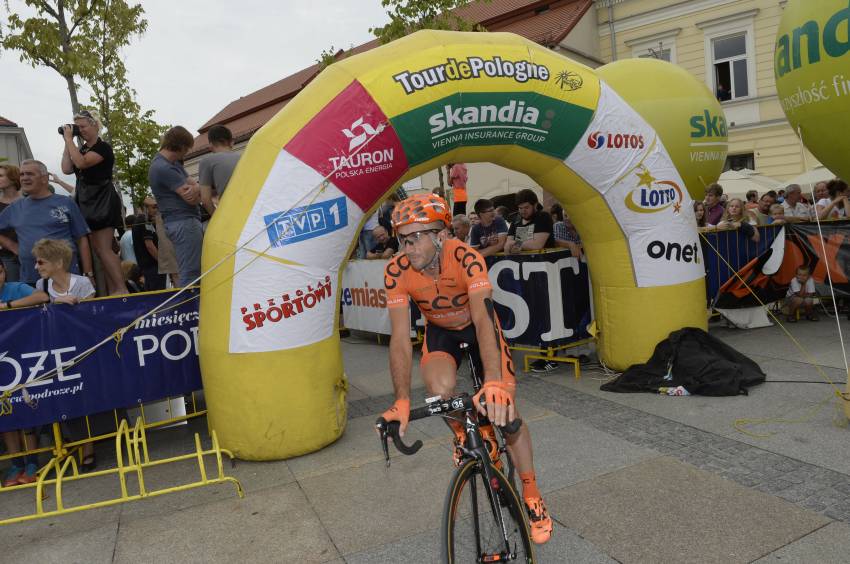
(788, 55)
(273, 312)
(358, 139)
(365, 296)
(652, 196)
(707, 125)
(306, 222)
(597, 140)
(472, 67)
(674, 251)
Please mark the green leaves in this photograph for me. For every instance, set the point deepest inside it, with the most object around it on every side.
(82, 40)
(407, 16)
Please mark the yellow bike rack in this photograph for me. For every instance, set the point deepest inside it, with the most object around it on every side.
(131, 452)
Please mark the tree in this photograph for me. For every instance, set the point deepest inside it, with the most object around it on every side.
(329, 56)
(82, 41)
(407, 16)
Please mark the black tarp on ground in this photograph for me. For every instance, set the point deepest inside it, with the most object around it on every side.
(695, 360)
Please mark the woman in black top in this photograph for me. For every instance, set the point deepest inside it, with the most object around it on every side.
(95, 194)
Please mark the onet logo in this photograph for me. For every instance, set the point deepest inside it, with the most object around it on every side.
(670, 251)
(357, 139)
(653, 196)
(598, 140)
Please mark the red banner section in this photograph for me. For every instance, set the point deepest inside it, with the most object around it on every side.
(352, 142)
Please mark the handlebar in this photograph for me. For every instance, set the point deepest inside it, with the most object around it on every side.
(390, 429)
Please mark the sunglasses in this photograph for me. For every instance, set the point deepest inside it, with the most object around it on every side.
(40, 262)
(83, 113)
(413, 238)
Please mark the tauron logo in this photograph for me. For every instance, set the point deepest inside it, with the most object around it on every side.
(357, 139)
(598, 140)
(471, 68)
(514, 113)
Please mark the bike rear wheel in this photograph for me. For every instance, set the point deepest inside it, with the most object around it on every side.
(471, 532)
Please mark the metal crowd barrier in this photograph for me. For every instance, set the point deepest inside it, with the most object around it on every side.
(720, 247)
(131, 456)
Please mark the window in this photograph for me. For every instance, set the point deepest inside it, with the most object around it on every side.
(657, 46)
(731, 78)
(659, 53)
(739, 162)
(730, 55)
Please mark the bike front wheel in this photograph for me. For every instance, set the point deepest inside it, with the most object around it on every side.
(471, 530)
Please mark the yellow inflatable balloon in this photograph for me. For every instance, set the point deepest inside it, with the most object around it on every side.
(812, 67)
(681, 109)
(270, 354)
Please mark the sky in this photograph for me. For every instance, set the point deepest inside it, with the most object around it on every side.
(195, 58)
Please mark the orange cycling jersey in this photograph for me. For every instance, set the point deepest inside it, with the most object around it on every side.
(444, 301)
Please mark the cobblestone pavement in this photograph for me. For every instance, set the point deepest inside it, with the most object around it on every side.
(806, 485)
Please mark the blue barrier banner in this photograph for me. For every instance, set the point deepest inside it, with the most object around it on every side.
(542, 299)
(157, 358)
(721, 247)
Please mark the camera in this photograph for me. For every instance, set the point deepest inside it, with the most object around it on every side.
(75, 130)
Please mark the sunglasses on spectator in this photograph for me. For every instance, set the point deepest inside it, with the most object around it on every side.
(83, 114)
(413, 238)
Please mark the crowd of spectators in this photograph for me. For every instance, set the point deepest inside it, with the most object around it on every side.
(55, 248)
(828, 201)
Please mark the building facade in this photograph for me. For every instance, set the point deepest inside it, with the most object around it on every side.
(729, 45)
(14, 146)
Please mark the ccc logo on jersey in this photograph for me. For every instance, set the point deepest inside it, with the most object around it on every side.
(469, 261)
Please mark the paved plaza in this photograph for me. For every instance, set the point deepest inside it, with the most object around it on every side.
(627, 477)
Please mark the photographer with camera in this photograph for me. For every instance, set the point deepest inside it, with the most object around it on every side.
(95, 193)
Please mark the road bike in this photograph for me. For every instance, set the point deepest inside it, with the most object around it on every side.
(484, 520)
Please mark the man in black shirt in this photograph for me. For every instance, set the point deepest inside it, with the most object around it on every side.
(146, 246)
(385, 246)
(532, 230)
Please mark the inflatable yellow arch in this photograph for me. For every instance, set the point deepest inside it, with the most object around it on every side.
(270, 353)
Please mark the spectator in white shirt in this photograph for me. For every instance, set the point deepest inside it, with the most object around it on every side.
(53, 261)
(795, 209)
(801, 293)
(835, 206)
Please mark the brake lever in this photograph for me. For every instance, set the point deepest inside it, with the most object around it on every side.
(381, 426)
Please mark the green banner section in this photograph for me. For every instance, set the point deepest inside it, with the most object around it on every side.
(528, 119)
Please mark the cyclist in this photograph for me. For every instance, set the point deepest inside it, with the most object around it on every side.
(448, 281)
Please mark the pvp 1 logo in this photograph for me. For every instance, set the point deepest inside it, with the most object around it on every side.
(306, 222)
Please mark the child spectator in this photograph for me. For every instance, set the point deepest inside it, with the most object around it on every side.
(801, 293)
(53, 261)
(736, 217)
(777, 214)
(146, 246)
(752, 200)
(699, 215)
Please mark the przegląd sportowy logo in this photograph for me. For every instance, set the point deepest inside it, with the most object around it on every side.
(514, 113)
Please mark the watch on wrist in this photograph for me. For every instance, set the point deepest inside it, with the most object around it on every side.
(89, 274)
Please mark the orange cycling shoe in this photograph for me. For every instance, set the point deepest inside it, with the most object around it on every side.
(538, 518)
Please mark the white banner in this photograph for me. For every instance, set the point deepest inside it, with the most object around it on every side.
(644, 191)
(364, 299)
